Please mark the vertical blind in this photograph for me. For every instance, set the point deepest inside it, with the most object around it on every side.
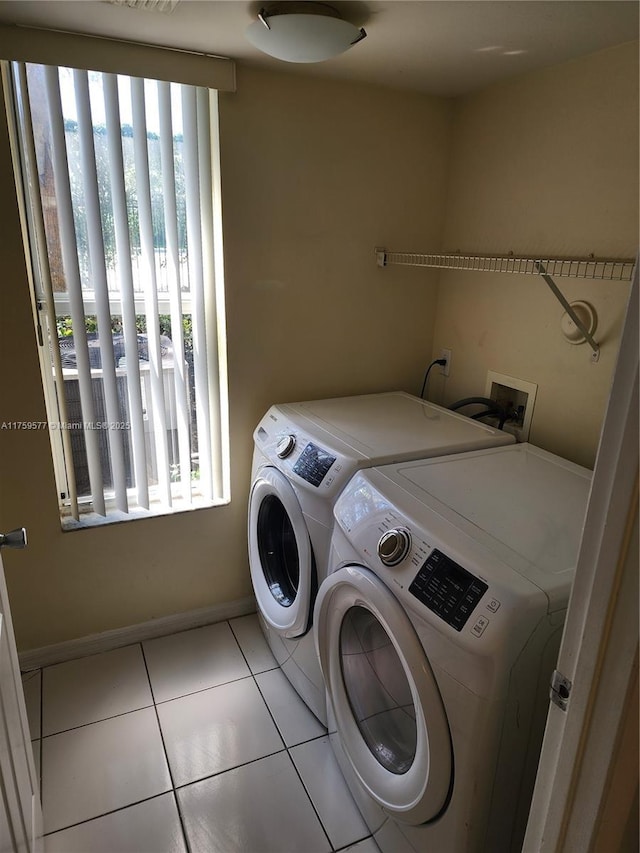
(124, 228)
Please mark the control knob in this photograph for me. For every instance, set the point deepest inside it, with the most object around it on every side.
(393, 546)
(285, 446)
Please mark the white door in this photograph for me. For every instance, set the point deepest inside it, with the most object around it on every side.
(388, 710)
(280, 555)
(20, 810)
(586, 785)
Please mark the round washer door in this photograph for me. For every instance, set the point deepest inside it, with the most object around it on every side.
(280, 556)
(389, 713)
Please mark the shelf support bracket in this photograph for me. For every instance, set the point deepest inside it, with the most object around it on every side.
(381, 257)
(595, 355)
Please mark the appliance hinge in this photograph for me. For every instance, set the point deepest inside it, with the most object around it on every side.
(560, 690)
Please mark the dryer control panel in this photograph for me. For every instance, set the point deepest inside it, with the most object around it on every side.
(311, 463)
(447, 589)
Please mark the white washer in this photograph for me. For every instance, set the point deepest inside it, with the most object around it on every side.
(438, 631)
(305, 454)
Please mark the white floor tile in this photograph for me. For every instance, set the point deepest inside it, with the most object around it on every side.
(31, 685)
(149, 827)
(329, 792)
(95, 769)
(253, 644)
(193, 660)
(90, 689)
(259, 808)
(293, 718)
(217, 729)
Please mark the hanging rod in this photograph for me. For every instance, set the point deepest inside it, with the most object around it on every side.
(602, 269)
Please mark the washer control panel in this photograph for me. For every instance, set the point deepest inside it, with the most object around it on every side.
(447, 589)
(313, 464)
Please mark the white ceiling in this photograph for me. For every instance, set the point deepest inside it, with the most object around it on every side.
(445, 47)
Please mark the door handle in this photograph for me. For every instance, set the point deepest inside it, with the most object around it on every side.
(15, 539)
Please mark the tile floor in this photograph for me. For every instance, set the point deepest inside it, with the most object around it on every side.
(194, 742)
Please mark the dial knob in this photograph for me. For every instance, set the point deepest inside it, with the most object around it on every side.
(393, 546)
(285, 446)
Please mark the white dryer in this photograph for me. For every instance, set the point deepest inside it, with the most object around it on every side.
(305, 454)
(438, 631)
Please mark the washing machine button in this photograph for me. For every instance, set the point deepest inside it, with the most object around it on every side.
(481, 624)
(493, 605)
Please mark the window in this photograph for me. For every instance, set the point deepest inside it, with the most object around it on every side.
(120, 178)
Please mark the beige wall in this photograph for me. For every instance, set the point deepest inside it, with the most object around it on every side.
(315, 174)
(547, 163)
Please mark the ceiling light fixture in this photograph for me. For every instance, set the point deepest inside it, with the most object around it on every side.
(302, 32)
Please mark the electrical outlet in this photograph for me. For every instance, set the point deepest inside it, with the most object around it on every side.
(444, 368)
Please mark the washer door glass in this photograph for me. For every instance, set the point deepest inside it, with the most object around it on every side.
(378, 690)
(278, 550)
(280, 555)
(389, 715)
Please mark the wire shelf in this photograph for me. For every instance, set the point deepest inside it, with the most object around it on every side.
(601, 269)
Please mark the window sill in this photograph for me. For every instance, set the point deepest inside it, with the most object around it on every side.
(92, 519)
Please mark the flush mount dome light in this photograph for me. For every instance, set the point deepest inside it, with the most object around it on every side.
(302, 32)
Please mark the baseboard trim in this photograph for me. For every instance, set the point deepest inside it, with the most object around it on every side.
(108, 640)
